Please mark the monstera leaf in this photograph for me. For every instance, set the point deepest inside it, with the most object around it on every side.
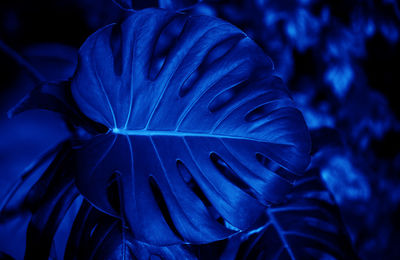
(307, 225)
(201, 135)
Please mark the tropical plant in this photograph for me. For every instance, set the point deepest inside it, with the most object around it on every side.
(184, 144)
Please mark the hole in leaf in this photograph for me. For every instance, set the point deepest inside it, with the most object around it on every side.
(113, 192)
(221, 221)
(163, 206)
(184, 172)
(116, 48)
(227, 171)
(217, 52)
(166, 40)
(188, 83)
(221, 49)
(191, 183)
(257, 113)
(194, 186)
(225, 97)
(275, 167)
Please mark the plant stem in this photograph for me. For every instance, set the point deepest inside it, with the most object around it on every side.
(22, 62)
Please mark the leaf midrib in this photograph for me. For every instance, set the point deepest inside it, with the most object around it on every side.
(127, 132)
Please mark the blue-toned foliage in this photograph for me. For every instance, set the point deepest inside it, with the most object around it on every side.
(95, 235)
(28, 141)
(200, 130)
(306, 226)
(77, 200)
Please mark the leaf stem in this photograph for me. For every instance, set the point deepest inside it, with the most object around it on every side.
(22, 62)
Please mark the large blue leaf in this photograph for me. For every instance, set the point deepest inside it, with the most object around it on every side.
(202, 135)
